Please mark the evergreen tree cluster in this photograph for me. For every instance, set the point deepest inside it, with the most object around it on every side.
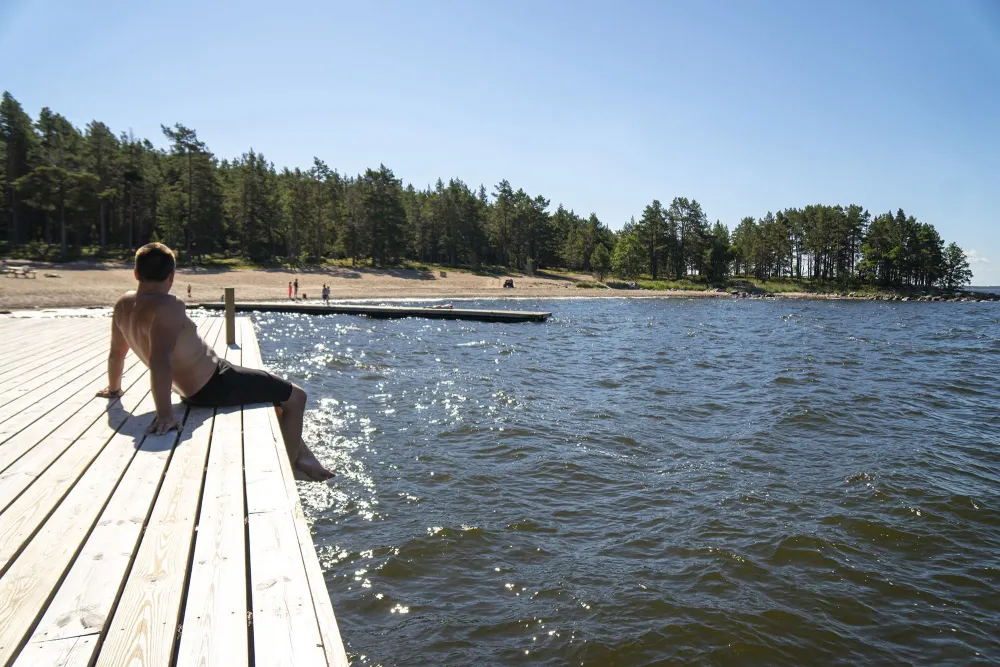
(68, 188)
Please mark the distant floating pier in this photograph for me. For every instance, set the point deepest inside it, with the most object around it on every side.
(387, 312)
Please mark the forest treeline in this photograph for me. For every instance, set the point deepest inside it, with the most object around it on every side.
(66, 188)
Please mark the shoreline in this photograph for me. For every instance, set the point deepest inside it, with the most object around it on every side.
(88, 285)
(104, 309)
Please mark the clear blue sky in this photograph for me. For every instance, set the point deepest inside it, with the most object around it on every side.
(748, 105)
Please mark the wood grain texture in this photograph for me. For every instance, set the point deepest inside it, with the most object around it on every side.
(22, 380)
(23, 516)
(48, 391)
(84, 601)
(35, 336)
(23, 472)
(34, 575)
(333, 643)
(215, 617)
(24, 411)
(25, 363)
(31, 579)
(285, 626)
(285, 629)
(84, 402)
(144, 625)
(99, 564)
(74, 650)
(33, 364)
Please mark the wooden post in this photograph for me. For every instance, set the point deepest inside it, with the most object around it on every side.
(230, 316)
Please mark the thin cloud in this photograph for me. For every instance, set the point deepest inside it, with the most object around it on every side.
(976, 257)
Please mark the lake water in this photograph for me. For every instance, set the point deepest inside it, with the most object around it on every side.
(645, 482)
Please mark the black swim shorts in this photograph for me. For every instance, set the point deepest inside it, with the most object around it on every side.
(235, 385)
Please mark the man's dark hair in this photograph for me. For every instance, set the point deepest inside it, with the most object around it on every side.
(154, 262)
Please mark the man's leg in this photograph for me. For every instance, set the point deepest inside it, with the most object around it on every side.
(304, 463)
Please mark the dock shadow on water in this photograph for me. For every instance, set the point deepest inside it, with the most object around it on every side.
(646, 482)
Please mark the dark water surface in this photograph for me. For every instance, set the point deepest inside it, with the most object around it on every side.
(646, 482)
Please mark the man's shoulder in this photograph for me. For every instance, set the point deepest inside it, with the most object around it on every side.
(124, 303)
(127, 297)
(168, 303)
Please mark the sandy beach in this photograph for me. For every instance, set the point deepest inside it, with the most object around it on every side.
(84, 284)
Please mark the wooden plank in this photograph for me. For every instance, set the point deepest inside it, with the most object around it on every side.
(22, 411)
(61, 396)
(33, 576)
(85, 600)
(84, 402)
(333, 643)
(285, 630)
(285, 627)
(27, 331)
(215, 616)
(56, 334)
(94, 355)
(17, 445)
(144, 627)
(75, 650)
(31, 364)
(25, 470)
(16, 325)
(21, 353)
(29, 452)
(82, 406)
(95, 364)
(21, 518)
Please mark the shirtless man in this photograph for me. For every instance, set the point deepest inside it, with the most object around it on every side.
(156, 327)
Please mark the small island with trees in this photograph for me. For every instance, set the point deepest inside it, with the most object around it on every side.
(70, 194)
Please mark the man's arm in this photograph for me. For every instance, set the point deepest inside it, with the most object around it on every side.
(116, 362)
(163, 334)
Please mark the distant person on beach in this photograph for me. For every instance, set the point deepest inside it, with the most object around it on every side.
(189, 291)
(326, 294)
(296, 288)
(289, 289)
(154, 325)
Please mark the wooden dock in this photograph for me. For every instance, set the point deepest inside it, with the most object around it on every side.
(118, 548)
(387, 312)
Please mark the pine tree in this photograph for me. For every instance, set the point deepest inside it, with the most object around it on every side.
(384, 216)
(600, 261)
(956, 273)
(630, 257)
(652, 229)
(102, 161)
(19, 142)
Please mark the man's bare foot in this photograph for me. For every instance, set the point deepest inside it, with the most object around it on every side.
(309, 466)
(311, 471)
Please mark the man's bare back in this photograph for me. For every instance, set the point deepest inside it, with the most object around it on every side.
(193, 361)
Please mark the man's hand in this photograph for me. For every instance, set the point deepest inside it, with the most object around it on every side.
(161, 425)
(108, 392)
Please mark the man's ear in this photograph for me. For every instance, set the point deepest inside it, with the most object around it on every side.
(135, 272)
(170, 278)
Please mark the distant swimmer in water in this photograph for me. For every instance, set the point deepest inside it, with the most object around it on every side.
(155, 326)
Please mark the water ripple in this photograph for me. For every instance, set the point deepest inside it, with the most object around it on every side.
(646, 482)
